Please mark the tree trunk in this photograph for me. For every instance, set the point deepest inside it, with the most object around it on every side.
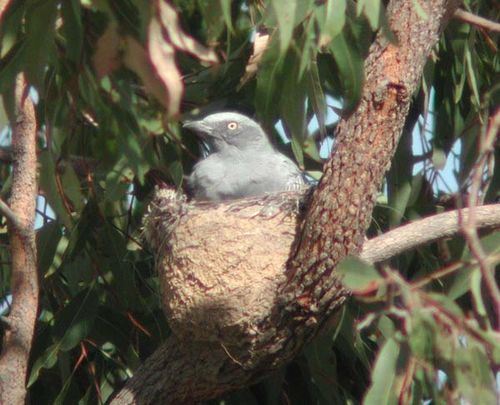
(24, 278)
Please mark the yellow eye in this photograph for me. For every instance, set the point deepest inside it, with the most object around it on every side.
(232, 125)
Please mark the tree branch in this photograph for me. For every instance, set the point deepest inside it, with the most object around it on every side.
(24, 279)
(476, 20)
(409, 236)
(9, 214)
(476, 195)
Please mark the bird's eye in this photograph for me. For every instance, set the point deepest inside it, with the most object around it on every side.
(232, 125)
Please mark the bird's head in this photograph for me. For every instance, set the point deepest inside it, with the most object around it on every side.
(229, 129)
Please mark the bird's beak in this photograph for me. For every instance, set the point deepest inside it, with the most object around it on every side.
(200, 127)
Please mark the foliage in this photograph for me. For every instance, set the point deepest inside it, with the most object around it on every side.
(107, 77)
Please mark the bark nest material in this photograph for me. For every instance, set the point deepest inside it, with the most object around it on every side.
(220, 264)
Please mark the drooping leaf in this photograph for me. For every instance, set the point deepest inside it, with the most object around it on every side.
(48, 238)
(40, 47)
(331, 20)
(73, 28)
(372, 9)
(317, 97)
(381, 390)
(285, 16)
(350, 68)
(76, 320)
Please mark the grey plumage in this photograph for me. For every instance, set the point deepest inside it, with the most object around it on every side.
(241, 161)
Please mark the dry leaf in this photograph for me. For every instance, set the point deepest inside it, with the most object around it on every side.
(136, 59)
(259, 46)
(4, 5)
(106, 57)
(182, 41)
(162, 54)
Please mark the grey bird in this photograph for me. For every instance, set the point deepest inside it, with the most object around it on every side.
(241, 161)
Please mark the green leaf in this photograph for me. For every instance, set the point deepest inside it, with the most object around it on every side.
(357, 274)
(47, 360)
(474, 376)
(459, 86)
(214, 18)
(372, 10)
(48, 184)
(118, 179)
(285, 15)
(398, 200)
(476, 291)
(40, 45)
(461, 283)
(72, 188)
(317, 97)
(10, 66)
(421, 337)
(323, 367)
(47, 238)
(76, 319)
(64, 391)
(298, 151)
(383, 376)
(471, 76)
(331, 20)
(350, 66)
(267, 96)
(73, 28)
(176, 171)
(226, 12)
(438, 158)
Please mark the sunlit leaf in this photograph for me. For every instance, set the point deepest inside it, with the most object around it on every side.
(331, 19)
(372, 10)
(358, 275)
(285, 15)
(381, 390)
(317, 96)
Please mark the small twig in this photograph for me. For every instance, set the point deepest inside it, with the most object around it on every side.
(421, 282)
(469, 225)
(476, 20)
(230, 356)
(10, 215)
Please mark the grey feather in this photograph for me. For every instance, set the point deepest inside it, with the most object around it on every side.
(241, 160)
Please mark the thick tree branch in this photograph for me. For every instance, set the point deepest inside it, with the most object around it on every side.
(407, 237)
(24, 280)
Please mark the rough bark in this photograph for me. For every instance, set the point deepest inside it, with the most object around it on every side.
(334, 226)
(24, 280)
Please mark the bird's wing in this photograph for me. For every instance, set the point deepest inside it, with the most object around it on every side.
(294, 177)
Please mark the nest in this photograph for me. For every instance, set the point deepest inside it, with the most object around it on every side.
(220, 264)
